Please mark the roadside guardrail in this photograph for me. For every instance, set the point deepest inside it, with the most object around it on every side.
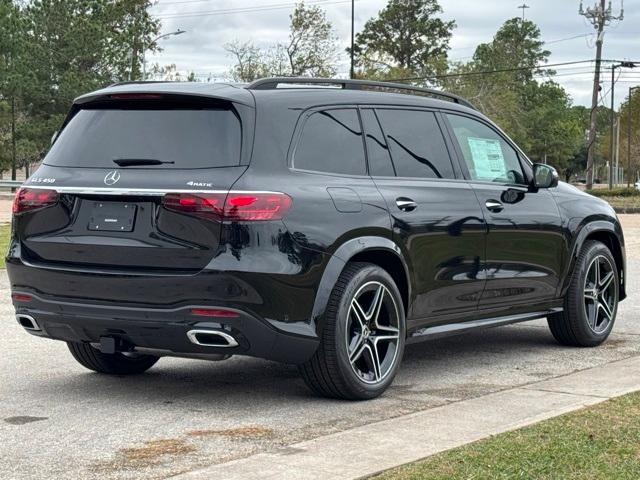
(10, 183)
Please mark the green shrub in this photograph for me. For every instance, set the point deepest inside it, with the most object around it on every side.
(615, 192)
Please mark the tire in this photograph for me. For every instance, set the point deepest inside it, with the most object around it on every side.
(113, 364)
(575, 325)
(344, 365)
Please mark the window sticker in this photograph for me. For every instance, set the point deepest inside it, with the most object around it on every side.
(487, 158)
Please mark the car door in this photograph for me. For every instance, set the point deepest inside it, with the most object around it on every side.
(525, 247)
(435, 215)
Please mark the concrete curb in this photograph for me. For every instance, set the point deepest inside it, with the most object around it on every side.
(375, 447)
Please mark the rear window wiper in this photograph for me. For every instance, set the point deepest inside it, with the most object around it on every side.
(135, 162)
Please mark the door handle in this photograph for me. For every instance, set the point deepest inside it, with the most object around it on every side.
(406, 204)
(494, 205)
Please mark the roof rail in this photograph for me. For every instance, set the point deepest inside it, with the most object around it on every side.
(272, 83)
(133, 82)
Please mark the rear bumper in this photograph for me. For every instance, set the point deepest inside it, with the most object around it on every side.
(162, 329)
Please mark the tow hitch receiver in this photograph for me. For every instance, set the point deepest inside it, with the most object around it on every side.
(108, 345)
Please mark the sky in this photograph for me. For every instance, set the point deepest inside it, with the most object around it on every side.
(210, 24)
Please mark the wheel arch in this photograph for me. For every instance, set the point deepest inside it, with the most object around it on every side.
(377, 250)
(609, 234)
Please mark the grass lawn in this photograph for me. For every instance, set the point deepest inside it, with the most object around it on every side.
(623, 202)
(619, 198)
(5, 232)
(599, 442)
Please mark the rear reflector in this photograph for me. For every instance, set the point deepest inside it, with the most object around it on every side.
(234, 206)
(21, 297)
(30, 199)
(214, 312)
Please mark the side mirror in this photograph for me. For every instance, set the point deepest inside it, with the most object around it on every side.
(544, 176)
(54, 136)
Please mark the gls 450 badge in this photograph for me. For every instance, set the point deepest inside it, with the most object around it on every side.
(42, 180)
(199, 184)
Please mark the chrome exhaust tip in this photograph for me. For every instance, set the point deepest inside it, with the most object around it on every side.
(28, 322)
(211, 338)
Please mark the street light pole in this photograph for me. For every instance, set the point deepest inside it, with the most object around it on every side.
(144, 49)
(353, 14)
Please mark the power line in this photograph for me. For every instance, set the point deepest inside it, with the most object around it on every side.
(568, 38)
(563, 73)
(488, 72)
(179, 3)
(253, 9)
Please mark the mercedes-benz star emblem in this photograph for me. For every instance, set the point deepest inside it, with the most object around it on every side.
(112, 177)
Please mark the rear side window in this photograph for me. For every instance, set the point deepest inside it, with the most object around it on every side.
(331, 142)
(417, 146)
(377, 150)
(179, 138)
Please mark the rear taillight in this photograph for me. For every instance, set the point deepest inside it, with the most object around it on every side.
(208, 206)
(30, 199)
(235, 206)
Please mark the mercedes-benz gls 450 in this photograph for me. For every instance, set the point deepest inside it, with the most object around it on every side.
(325, 226)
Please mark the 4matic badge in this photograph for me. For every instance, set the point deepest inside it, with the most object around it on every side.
(199, 184)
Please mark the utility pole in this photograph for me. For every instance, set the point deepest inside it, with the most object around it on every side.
(631, 89)
(353, 16)
(617, 154)
(600, 16)
(524, 6)
(13, 137)
(613, 114)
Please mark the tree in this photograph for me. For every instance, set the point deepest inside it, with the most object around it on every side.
(16, 81)
(512, 57)
(250, 62)
(170, 73)
(312, 47)
(517, 46)
(501, 80)
(630, 117)
(554, 130)
(407, 37)
(310, 51)
(51, 51)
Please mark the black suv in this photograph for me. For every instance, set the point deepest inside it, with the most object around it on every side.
(323, 223)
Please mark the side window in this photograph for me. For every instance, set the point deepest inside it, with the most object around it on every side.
(417, 146)
(488, 156)
(331, 142)
(377, 150)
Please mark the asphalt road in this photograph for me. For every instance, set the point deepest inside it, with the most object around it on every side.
(58, 420)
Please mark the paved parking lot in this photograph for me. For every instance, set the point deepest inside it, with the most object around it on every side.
(58, 420)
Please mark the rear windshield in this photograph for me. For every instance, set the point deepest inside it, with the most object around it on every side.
(178, 138)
